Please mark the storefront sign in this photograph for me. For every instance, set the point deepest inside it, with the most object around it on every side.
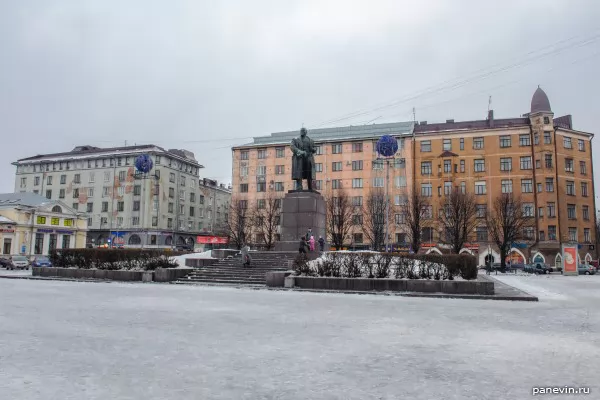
(45, 230)
(569, 256)
(63, 232)
(427, 245)
(212, 239)
(7, 230)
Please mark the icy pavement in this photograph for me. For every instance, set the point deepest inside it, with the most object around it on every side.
(67, 340)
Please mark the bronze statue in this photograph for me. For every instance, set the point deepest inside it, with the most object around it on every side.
(303, 162)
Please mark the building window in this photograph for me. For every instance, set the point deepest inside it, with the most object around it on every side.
(377, 164)
(318, 184)
(481, 210)
(48, 194)
(76, 178)
(279, 169)
(568, 165)
(61, 194)
(357, 237)
(551, 232)
(261, 153)
(506, 186)
(261, 170)
(426, 168)
(528, 233)
(585, 212)
(571, 188)
(169, 224)
(136, 205)
(244, 155)
(571, 211)
(524, 140)
(478, 143)
(549, 184)
(63, 179)
(400, 218)
(172, 177)
(581, 145)
(447, 145)
(480, 187)
(48, 181)
(582, 167)
(280, 152)
(546, 120)
(526, 162)
(357, 147)
(528, 210)
(536, 139)
(261, 187)
(447, 166)
(482, 234)
(548, 140)
(201, 199)
(192, 211)
(425, 146)
(572, 234)
(192, 197)
(122, 175)
(336, 183)
(105, 206)
(539, 187)
(505, 141)
(400, 181)
(480, 165)
(462, 143)
(506, 164)
(336, 148)
(586, 235)
(540, 212)
(357, 201)
(378, 182)
(400, 163)
(36, 181)
(584, 189)
(357, 219)
(170, 208)
(76, 193)
(526, 186)
(548, 160)
(357, 183)
(121, 190)
(426, 189)
(90, 192)
(357, 165)
(336, 166)
(567, 143)
(462, 166)
(318, 150)
(155, 205)
(243, 170)
(551, 210)
(279, 187)
(318, 167)
(538, 164)
(447, 188)
(120, 206)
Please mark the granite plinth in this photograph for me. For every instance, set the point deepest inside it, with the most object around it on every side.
(301, 210)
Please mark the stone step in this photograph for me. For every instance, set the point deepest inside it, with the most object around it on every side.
(230, 281)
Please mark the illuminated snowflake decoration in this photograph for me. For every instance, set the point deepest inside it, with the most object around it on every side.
(143, 163)
(387, 146)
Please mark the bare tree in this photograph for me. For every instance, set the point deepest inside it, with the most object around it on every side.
(457, 216)
(238, 222)
(266, 215)
(374, 213)
(416, 216)
(339, 212)
(506, 223)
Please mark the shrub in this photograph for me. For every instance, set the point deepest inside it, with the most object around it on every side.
(468, 267)
(113, 259)
(383, 265)
(301, 266)
(351, 265)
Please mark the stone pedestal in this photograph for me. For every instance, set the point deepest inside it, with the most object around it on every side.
(300, 211)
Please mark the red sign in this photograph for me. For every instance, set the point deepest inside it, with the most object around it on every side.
(570, 259)
(472, 246)
(212, 239)
(427, 245)
(7, 230)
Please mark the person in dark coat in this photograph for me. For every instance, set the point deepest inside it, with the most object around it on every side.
(246, 256)
(303, 161)
(303, 245)
(321, 243)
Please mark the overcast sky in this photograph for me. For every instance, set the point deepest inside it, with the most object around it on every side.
(206, 75)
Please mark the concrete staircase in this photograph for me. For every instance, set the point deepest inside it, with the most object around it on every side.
(229, 271)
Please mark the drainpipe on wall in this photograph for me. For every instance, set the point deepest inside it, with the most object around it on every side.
(594, 196)
(535, 200)
(557, 192)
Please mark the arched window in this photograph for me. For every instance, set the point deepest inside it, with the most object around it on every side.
(56, 209)
(168, 241)
(588, 258)
(135, 239)
(190, 241)
(180, 240)
(558, 261)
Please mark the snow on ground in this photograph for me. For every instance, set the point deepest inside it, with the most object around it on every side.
(65, 340)
(181, 259)
(554, 286)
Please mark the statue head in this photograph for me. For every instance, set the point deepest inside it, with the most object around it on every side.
(303, 132)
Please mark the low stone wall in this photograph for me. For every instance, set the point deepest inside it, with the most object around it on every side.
(223, 253)
(277, 278)
(200, 262)
(170, 274)
(160, 275)
(394, 285)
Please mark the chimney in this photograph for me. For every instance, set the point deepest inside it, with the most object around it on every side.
(449, 121)
(491, 118)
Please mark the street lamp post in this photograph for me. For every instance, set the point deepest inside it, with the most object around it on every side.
(387, 147)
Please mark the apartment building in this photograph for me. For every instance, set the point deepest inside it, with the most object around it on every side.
(537, 156)
(346, 159)
(163, 208)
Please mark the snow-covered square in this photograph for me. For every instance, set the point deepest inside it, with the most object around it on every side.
(67, 340)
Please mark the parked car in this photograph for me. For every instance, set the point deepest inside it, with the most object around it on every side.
(537, 268)
(19, 262)
(5, 262)
(185, 248)
(41, 262)
(584, 269)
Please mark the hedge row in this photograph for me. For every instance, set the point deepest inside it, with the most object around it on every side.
(388, 265)
(113, 259)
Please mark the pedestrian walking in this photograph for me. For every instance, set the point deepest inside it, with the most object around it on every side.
(246, 259)
(321, 243)
(302, 248)
(312, 243)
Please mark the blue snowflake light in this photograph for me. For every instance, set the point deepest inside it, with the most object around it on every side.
(143, 163)
(387, 146)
